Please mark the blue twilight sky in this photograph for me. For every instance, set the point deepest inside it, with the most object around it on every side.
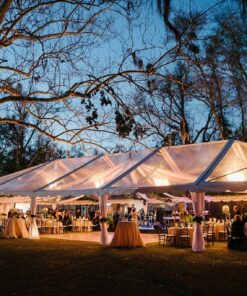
(149, 32)
(147, 36)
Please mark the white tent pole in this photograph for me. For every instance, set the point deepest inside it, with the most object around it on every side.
(104, 238)
(33, 229)
(198, 199)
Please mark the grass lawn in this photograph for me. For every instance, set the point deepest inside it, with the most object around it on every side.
(62, 267)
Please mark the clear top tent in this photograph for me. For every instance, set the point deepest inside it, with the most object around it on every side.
(214, 166)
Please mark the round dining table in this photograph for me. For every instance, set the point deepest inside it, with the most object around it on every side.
(176, 232)
(127, 235)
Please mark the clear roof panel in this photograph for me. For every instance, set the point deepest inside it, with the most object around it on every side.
(174, 165)
(16, 174)
(171, 166)
(233, 167)
(42, 175)
(100, 172)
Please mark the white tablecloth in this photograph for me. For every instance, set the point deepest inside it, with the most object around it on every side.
(82, 225)
(51, 226)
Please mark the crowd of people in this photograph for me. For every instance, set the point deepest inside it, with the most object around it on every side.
(65, 217)
(134, 216)
(61, 215)
(238, 228)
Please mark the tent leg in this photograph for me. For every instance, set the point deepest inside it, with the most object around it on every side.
(198, 201)
(33, 229)
(104, 238)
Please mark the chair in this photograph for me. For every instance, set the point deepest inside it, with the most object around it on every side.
(54, 227)
(184, 237)
(161, 235)
(49, 226)
(205, 231)
(3, 225)
(75, 225)
(223, 234)
(166, 239)
(57, 227)
(210, 235)
(170, 240)
(44, 227)
(60, 227)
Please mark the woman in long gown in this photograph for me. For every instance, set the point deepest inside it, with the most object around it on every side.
(134, 216)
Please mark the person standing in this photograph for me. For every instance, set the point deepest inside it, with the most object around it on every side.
(236, 211)
(116, 219)
(236, 232)
(134, 216)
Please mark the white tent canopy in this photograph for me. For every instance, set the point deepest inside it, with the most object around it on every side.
(214, 166)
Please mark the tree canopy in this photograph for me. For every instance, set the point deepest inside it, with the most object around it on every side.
(94, 71)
